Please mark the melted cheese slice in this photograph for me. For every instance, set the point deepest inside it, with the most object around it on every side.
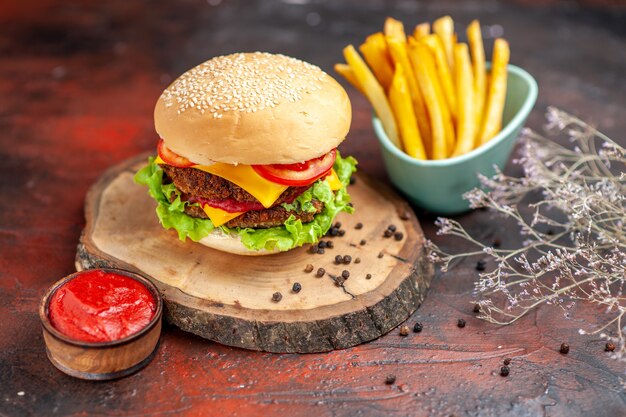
(218, 216)
(267, 192)
(334, 181)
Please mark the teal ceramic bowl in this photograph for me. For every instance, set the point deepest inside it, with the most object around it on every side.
(439, 185)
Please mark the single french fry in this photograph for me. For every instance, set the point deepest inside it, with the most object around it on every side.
(394, 29)
(398, 50)
(475, 39)
(443, 105)
(443, 70)
(402, 106)
(377, 56)
(444, 28)
(421, 31)
(464, 78)
(448, 125)
(346, 72)
(496, 95)
(424, 66)
(373, 91)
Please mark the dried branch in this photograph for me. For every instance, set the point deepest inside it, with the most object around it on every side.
(575, 246)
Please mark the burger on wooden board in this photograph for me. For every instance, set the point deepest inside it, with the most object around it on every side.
(247, 161)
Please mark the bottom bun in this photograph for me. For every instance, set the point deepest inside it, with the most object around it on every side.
(231, 243)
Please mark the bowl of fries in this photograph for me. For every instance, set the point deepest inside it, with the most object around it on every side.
(442, 114)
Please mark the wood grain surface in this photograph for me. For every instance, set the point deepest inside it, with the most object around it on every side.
(228, 298)
(78, 83)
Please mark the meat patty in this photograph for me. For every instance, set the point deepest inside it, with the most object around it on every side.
(202, 184)
(262, 219)
(193, 182)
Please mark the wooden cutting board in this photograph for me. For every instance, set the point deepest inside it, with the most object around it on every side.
(228, 298)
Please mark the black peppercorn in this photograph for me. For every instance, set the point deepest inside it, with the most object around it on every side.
(404, 330)
(504, 371)
(321, 251)
(338, 259)
(609, 347)
(496, 243)
(347, 259)
(564, 348)
(391, 228)
(338, 225)
(320, 272)
(363, 242)
(345, 274)
(308, 268)
(390, 379)
(339, 281)
(388, 233)
(334, 231)
(368, 276)
(507, 361)
(276, 297)
(461, 323)
(480, 265)
(476, 308)
(341, 232)
(296, 287)
(398, 236)
(313, 248)
(322, 244)
(405, 215)
(380, 255)
(352, 180)
(358, 226)
(357, 260)
(418, 327)
(330, 244)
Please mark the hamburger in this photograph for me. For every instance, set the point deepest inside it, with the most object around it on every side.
(247, 160)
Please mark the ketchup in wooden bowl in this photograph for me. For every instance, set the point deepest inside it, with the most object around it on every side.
(101, 323)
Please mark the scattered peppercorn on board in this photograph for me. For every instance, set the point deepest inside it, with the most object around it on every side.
(370, 277)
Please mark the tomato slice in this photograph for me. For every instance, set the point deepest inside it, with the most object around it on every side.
(172, 158)
(298, 174)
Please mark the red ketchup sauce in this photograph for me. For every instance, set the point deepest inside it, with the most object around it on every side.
(100, 306)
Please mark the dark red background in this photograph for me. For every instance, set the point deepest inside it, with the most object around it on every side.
(78, 81)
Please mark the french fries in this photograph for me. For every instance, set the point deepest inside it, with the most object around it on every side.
(402, 106)
(492, 121)
(394, 29)
(422, 30)
(443, 71)
(377, 56)
(346, 72)
(433, 95)
(399, 54)
(425, 72)
(464, 79)
(475, 40)
(444, 27)
(373, 91)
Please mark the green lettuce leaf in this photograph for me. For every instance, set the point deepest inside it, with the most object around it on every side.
(171, 213)
(292, 234)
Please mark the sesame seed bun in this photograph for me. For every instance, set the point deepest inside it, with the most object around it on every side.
(253, 108)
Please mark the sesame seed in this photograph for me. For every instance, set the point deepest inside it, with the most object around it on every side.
(241, 83)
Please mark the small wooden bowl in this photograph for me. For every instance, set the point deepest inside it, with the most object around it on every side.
(101, 360)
